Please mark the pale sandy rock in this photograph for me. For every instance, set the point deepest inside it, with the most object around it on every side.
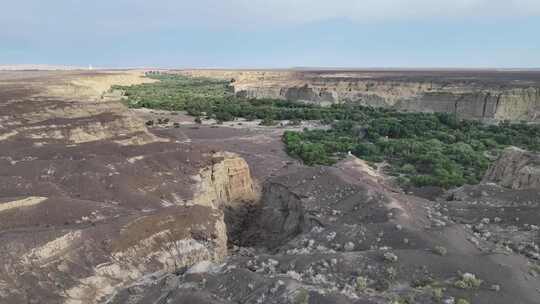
(53, 249)
(226, 181)
(84, 110)
(469, 97)
(7, 135)
(94, 87)
(516, 169)
(21, 203)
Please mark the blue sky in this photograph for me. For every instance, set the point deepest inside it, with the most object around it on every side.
(272, 33)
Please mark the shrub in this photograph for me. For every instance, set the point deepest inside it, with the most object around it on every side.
(295, 122)
(390, 257)
(440, 250)
(468, 281)
(267, 121)
(437, 293)
(361, 283)
(535, 269)
(224, 116)
(408, 169)
(301, 297)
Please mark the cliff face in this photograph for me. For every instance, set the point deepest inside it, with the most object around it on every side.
(87, 263)
(516, 169)
(333, 235)
(474, 95)
(282, 215)
(160, 242)
(225, 182)
(92, 201)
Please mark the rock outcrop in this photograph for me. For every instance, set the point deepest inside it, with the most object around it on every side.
(515, 169)
(342, 235)
(72, 107)
(94, 86)
(111, 219)
(281, 218)
(92, 201)
(225, 182)
(87, 262)
(486, 95)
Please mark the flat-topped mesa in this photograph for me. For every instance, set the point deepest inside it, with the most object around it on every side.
(486, 95)
(95, 85)
(72, 108)
(516, 169)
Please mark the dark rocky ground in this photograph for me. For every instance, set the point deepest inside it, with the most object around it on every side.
(481, 78)
(345, 234)
(341, 234)
(80, 202)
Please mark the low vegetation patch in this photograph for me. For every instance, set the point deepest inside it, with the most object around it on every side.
(468, 281)
(440, 250)
(390, 257)
(437, 293)
(535, 269)
(421, 149)
(301, 297)
(361, 283)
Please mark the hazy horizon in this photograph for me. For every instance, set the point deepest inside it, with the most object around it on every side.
(272, 34)
(313, 68)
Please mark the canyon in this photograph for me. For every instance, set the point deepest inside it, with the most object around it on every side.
(98, 207)
(91, 200)
(487, 95)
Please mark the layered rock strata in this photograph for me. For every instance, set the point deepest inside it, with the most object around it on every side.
(91, 201)
(486, 95)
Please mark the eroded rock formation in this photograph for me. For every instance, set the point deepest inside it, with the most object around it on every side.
(225, 182)
(515, 169)
(91, 201)
(115, 219)
(487, 95)
(343, 235)
(70, 106)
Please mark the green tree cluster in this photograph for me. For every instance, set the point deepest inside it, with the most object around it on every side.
(423, 149)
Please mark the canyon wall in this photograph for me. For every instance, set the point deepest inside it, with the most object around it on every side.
(225, 182)
(486, 95)
(91, 200)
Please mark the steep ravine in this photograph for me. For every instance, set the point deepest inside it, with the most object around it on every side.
(343, 235)
(91, 212)
(91, 201)
(177, 237)
(98, 248)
